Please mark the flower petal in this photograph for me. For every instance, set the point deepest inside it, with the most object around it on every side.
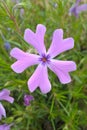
(73, 10)
(36, 39)
(4, 95)
(59, 45)
(62, 69)
(2, 111)
(5, 126)
(81, 8)
(40, 32)
(27, 99)
(78, 1)
(56, 42)
(40, 79)
(17, 53)
(25, 62)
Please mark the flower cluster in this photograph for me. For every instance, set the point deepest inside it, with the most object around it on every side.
(43, 59)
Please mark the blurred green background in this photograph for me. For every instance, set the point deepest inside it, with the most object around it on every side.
(65, 106)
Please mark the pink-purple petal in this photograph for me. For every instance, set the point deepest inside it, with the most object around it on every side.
(25, 62)
(78, 1)
(4, 95)
(56, 42)
(81, 8)
(17, 53)
(40, 79)
(62, 69)
(40, 32)
(36, 39)
(28, 99)
(5, 127)
(2, 111)
(59, 45)
(67, 44)
(30, 37)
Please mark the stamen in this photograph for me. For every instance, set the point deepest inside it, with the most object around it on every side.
(44, 58)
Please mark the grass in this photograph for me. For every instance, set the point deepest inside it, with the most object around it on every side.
(65, 106)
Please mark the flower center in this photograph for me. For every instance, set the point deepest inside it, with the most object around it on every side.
(45, 58)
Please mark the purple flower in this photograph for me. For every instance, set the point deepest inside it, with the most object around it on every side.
(5, 127)
(76, 8)
(7, 46)
(27, 99)
(40, 76)
(4, 95)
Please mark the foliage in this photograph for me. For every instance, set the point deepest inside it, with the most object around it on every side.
(65, 107)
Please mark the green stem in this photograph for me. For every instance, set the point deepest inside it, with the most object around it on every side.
(2, 36)
(11, 16)
(53, 125)
(64, 108)
(51, 109)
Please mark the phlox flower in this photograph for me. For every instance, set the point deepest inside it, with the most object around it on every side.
(76, 8)
(5, 127)
(4, 95)
(28, 99)
(40, 76)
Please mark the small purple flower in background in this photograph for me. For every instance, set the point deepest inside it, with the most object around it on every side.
(40, 76)
(27, 99)
(76, 8)
(21, 9)
(7, 46)
(5, 127)
(55, 5)
(4, 95)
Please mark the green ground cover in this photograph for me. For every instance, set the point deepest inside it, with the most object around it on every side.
(65, 106)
